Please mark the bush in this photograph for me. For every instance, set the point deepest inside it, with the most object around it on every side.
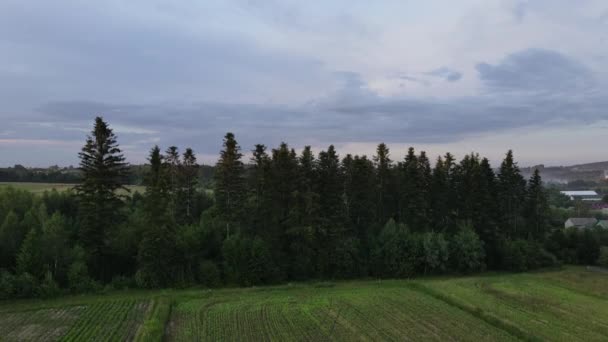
(209, 274)
(603, 258)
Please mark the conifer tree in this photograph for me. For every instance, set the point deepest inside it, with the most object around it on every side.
(536, 207)
(230, 183)
(511, 196)
(104, 171)
(259, 189)
(189, 179)
(439, 210)
(385, 185)
(156, 254)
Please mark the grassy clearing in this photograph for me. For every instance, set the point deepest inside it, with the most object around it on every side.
(39, 188)
(566, 305)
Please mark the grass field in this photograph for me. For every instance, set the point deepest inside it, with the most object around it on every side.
(565, 305)
(39, 188)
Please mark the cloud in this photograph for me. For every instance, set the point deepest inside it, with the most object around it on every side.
(536, 70)
(446, 73)
(304, 72)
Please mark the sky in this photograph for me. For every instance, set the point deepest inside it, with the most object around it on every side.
(460, 76)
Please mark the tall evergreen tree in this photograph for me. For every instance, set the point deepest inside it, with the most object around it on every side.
(189, 180)
(536, 207)
(156, 254)
(411, 198)
(439, 209)
(230, 183)
(259, 189)
(386, 187)
(171, 170)
(104, 171)
(511, 196)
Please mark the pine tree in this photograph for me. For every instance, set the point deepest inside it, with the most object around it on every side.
(156, 252)
(411, 198)
(511, 196)
(440, 211)
(259, 189)
(171, 170)
(386, 185)
(230, 183)
(104, 171)
(536, 207)
(189, 180)
(424, 190)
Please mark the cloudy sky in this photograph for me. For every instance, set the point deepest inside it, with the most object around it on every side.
(459, 76)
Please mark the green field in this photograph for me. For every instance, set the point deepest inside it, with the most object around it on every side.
(565, 305)
(39, 188)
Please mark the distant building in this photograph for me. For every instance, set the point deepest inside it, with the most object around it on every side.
(583, 195)
(603, 224)
(580, 222)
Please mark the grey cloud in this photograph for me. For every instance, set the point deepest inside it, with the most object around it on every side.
(446, 73)
(536, 70)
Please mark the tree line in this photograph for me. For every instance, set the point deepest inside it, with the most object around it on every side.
(279, 216)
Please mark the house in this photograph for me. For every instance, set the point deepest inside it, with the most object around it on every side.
(580, 222)
(603, 224)
(583, 195)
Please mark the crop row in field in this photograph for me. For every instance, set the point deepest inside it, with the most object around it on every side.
(541, 306)
(104, 321)
(343, 313)
(566, 305)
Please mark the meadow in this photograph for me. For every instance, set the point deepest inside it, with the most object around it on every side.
(568, 305)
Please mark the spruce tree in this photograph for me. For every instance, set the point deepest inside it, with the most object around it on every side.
(259, 192)
(511, 196)
(104, 172)
(385, 185)
(156, 252)
(230, 184)
(189, 180)
(536, 207)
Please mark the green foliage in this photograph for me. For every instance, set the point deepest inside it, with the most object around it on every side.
(434, 252)
(104, 171)
(395, 253)
(467, 251)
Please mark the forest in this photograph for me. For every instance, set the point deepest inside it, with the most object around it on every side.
(280, 216)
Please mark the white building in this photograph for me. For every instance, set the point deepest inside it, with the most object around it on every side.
(583, 195)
